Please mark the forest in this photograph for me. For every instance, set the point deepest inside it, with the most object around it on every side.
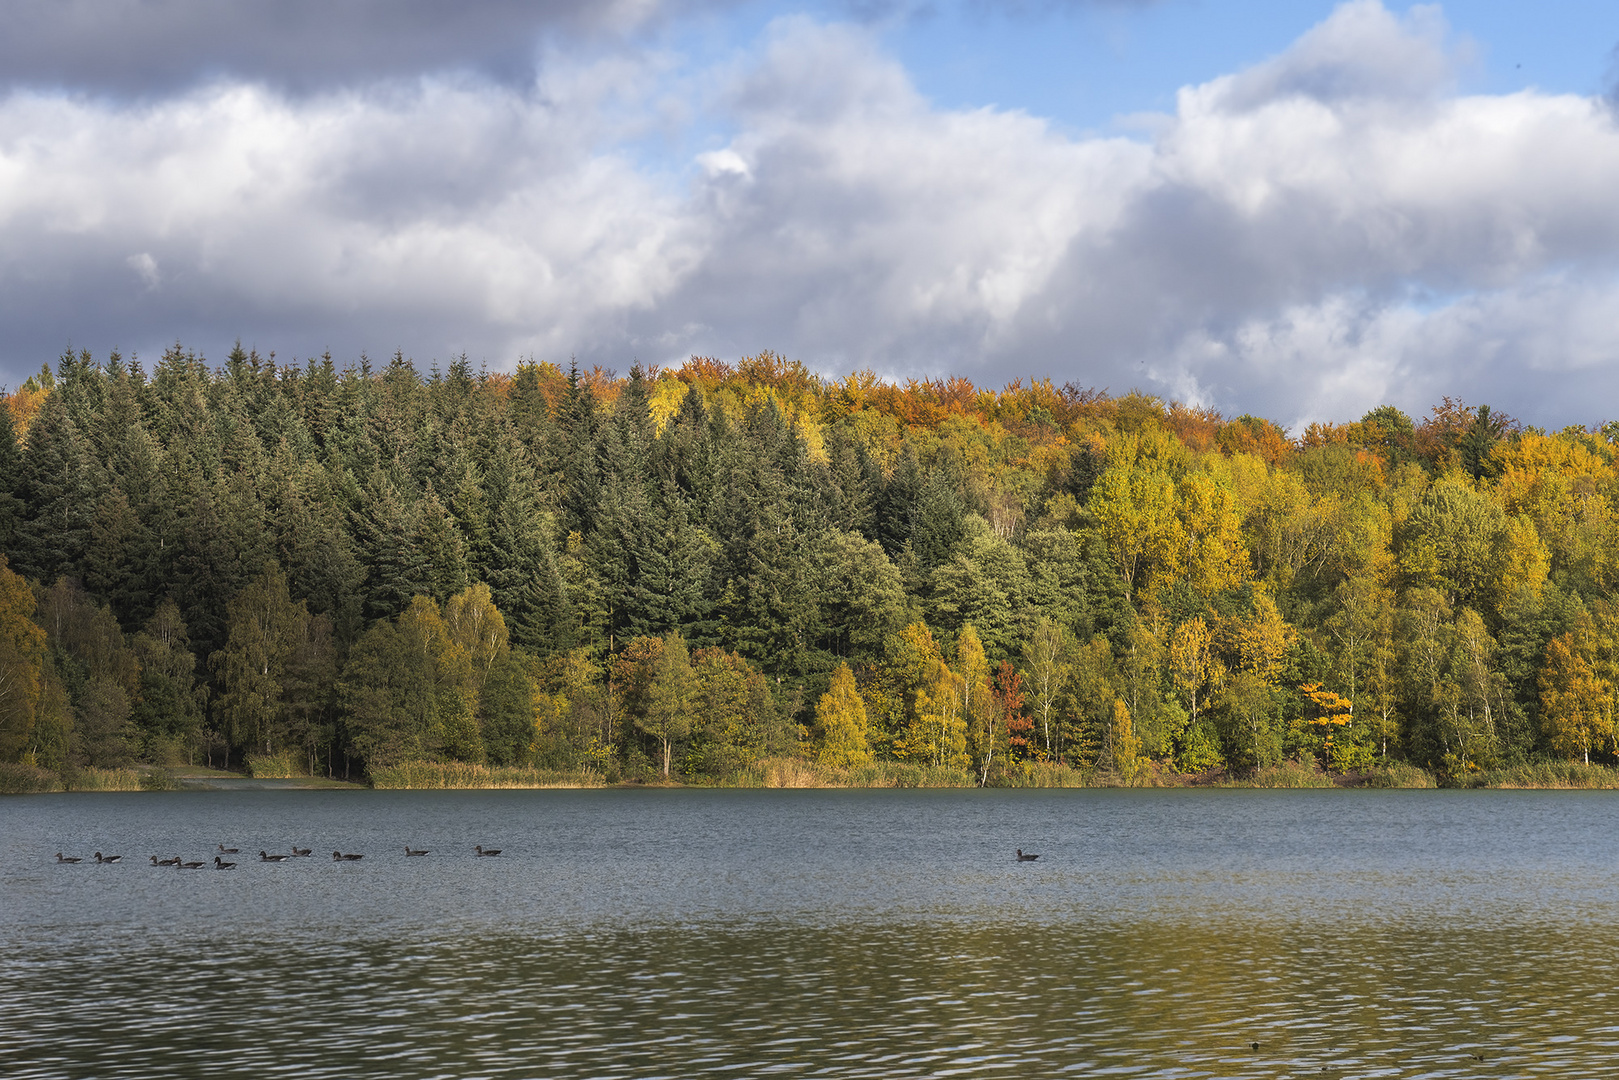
(678, 574)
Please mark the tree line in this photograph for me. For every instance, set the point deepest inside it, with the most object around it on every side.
(683, 572)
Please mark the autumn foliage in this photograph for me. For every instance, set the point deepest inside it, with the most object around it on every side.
(680, 571)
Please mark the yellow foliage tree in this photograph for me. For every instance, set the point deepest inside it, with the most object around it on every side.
(1329, 718)
(1126, 748)
(1193, 665)
(937, 728)
(1133, 502)
(840, 723)
(1262, 638)
(977, 705)
(1215, 556)
(1575, 705)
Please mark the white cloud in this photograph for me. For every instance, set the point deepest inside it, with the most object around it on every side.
(1330, 229)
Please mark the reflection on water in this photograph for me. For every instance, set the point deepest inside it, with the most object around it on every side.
(826, 934)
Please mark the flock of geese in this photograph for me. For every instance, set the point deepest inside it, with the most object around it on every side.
(264, 856)
(337, 856)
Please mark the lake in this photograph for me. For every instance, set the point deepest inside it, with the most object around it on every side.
(675, 933)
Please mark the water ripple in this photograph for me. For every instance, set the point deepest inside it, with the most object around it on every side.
(632, 935)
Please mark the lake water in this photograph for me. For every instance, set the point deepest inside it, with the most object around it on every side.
(630, 933)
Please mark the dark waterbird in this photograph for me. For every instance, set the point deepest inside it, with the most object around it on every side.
(100, 858)
(66, 858)
(1025, 858)
(412, 851)
(300, 852)
(165, 862)
(221, 864)
(194, 865)
(223, 850)
(272, 858)
(338, 856)
(481, 850)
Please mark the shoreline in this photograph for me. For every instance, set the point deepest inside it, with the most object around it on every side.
(801, 774)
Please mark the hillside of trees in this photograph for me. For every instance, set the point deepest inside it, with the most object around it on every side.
(682, 572)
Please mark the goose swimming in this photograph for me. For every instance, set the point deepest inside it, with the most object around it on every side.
(223, 850)
(272, 858)
(193, 865)
(107, 858)
(221, 864)
(66, 858)
(338, 856)
(165, 862)
(301, 851)
(412, 851)
(481, 850)
(1025, 858)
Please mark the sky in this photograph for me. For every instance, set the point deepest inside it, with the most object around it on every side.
(1300, 210)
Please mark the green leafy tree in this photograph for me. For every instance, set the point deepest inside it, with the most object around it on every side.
(669, 698)
(265, 629)
(1046, 674)
(169, 713)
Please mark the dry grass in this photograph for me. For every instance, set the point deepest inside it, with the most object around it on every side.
(431, 775)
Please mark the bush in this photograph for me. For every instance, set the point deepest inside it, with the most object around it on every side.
(275, 766)
(27, 780)
(159, 780)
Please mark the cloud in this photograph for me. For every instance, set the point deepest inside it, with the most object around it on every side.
(145, 46)
(1328, 230)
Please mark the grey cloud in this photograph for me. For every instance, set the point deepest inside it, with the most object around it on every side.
(158, 46)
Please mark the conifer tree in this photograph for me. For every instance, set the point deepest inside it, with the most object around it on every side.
(12, 508)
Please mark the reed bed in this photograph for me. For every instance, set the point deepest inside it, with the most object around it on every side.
(1559, 775)
(795, 772)
(433, 775)
(1043, 774)
(1397, 774)
(1287, 774)
(101, 780)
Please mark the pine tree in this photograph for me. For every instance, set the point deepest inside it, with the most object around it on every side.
(12, 507)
